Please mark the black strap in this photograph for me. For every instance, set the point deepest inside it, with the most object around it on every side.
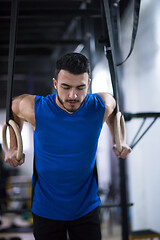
(135, 28)
(95, 172)
(34, 179)
(11, 59)
(110, 48)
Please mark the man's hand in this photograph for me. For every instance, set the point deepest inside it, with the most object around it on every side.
(125, 151)
(10, 158)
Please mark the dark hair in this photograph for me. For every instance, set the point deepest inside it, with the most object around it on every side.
(75, 63)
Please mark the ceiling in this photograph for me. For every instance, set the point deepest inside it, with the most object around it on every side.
(47, 29)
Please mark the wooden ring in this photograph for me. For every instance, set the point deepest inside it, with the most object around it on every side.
(18, 138)
(119, 131)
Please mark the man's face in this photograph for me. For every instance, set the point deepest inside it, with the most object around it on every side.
(71, 90)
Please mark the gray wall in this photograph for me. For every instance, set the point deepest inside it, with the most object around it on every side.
(141, 85)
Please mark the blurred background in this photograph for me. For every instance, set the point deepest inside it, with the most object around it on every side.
(49, 29)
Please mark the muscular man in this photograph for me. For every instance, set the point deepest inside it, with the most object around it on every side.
(66, 126)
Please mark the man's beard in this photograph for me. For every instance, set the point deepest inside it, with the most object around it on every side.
(72, 109)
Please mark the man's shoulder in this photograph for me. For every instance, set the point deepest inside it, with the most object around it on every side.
(107, 98)
(96, 99)
(102, 97)
(45, 98)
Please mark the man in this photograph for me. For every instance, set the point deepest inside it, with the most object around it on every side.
(66, 126)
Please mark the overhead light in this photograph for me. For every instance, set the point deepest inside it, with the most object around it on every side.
(79, 48)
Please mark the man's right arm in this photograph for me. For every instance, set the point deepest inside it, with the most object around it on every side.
(23, 110)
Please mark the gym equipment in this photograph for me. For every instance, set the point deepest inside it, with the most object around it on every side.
(110, 20)
(111, 56)
(11, 61)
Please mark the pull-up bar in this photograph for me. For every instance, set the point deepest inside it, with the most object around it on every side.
(144, 116)
(129, 116)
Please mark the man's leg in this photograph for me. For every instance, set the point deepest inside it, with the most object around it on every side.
(47, 229)
(85, 228)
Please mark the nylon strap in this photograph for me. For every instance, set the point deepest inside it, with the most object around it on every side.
(110, 49)
(34, 178)
(11, 59)
(109, 42)
(135, 28)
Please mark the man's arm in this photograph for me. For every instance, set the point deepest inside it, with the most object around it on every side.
(23, 110)
(109, 117)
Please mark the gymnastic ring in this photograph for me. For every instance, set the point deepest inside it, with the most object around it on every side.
(119, 131)
(18, 138)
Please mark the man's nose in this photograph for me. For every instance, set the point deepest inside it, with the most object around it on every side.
(72, 94)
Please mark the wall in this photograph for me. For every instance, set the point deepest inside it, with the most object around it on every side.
(141, 85)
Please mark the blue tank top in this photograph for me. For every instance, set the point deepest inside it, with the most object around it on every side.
(65, 150)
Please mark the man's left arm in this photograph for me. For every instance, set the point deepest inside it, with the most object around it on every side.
(109, 117)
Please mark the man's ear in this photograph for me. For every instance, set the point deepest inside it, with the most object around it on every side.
(55, 83)
(89, 81)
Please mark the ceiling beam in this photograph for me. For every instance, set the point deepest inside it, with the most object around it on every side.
(50, 13)
(38, 43)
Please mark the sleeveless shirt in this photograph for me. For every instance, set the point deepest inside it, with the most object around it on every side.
(65, 148)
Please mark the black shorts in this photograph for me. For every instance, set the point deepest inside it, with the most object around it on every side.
(84, 228)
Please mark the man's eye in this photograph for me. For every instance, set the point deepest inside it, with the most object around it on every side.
(81, 88)
(66, 88)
